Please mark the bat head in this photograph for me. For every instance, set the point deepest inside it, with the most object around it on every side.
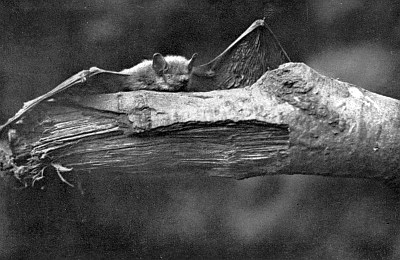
(174, 71)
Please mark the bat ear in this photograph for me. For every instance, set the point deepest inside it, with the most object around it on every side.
(191, 62)
(160, 65)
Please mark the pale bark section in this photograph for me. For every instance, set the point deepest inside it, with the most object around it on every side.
(292, 121)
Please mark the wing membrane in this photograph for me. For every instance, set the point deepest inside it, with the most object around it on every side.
(72, 85)
(256, 51)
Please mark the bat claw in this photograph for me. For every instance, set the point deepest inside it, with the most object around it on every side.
(83, 79)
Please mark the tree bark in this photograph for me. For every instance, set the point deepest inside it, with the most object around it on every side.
(291, 121)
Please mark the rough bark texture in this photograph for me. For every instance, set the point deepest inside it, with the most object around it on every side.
(291, 121)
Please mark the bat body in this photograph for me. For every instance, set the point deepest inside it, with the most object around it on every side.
(252, 54)
(169, 73)
(241, 64)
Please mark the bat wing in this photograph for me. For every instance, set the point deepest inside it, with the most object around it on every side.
(242, 63)
(98, 80)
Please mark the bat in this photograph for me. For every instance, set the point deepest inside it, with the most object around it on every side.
(254, 52)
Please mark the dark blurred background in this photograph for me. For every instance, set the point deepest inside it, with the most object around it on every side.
(124, 217)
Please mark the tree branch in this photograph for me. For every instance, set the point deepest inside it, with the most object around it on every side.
(291, 121)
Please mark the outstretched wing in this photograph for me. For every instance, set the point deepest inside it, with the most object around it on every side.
(98, 84)
(242, 63)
